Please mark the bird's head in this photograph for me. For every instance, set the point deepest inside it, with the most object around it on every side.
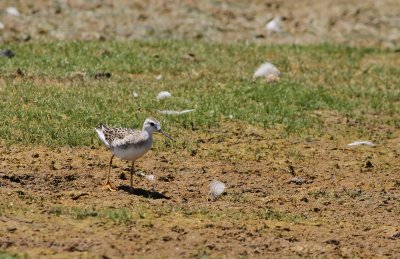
(151, 125)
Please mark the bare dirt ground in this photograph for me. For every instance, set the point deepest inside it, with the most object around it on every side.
(353, 22)
(345, 205)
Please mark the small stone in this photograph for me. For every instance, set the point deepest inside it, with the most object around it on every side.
(333, 242)
(211, 246)
(297, 181)
(11, 230)
(99, 75)
(8, 53)
(167, 238)
(369, 164)
(122, 176)
(19, 72)
(395, 236)
(304, 199)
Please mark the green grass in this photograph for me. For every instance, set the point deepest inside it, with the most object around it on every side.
(5, 255)
(118, 215)
(146, 214)
(271, 214)
(53, 105)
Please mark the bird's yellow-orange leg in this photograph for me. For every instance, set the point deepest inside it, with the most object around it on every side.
(132, 172)
(108, 185)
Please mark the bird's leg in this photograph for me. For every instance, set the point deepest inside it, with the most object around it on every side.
(108, 185)
(132, 172)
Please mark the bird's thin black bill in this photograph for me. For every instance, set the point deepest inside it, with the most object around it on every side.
(165, 134)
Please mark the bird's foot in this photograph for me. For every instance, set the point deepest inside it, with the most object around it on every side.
(108, 186)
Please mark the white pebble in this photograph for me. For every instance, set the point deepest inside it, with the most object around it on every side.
(163, 95)
(134, 94)
(159, 77)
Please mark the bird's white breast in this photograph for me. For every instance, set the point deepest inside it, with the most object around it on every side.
(133, 152)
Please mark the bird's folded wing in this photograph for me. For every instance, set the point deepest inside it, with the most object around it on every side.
(122, 137)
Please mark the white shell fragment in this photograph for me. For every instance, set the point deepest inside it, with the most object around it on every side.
(163, 95)
(12, 11)
(274, 25)
(216, 189)
(268, 71)
(362, 142)
(170, 112)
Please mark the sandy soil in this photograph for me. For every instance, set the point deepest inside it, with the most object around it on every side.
(344, 203)
(354, 22)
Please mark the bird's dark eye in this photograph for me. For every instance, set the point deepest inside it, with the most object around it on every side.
(152, 124)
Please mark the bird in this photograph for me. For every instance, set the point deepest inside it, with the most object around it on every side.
(128, 144)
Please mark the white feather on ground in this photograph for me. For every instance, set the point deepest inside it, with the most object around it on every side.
(12, 11)
(149, 177)
(268, 71)
(362, 142)
(170, 112)
(216, 189)
(274, 25)
(163, 95)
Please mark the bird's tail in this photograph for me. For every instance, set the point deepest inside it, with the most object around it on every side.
(100, 132)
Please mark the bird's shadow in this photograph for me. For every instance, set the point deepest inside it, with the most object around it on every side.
(144, 193)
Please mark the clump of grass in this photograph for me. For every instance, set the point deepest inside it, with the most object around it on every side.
(57, 211)
(5, 255)
(119, 215)
(317, 194)
(354, 193)
(79, 213)
(271, 214)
